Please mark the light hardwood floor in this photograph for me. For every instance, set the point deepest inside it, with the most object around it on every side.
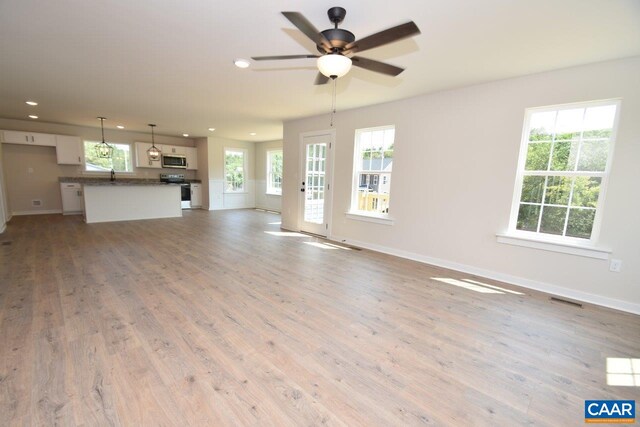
(208, 320)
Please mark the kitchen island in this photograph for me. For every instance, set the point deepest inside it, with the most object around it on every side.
(127, 199)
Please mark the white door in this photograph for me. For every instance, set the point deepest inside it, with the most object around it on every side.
(315, 183)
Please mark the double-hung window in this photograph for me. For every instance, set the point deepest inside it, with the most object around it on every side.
(373, 164)
(234, 170)
(274, 172)
(564, 164)
(120, 161)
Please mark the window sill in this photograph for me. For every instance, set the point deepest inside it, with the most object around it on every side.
(273, 194)
(235, 192)
(377, 219)
(566, 248)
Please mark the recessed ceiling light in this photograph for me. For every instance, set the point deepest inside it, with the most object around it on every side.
(212, 129)
(185, 134)
(120, 127)
(31, 103)
(33, 116)
(241, 63)
(253, 134)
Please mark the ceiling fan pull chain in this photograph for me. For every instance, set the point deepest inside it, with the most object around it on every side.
(333, 101)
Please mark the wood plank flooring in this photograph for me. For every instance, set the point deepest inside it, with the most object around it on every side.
(208, 320)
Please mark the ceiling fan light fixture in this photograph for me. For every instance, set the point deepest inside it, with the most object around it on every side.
(334, 65)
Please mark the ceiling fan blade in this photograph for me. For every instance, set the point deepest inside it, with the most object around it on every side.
(321, 79)
(377, 66)
(383, 37)
(270, 58)
(308, 29)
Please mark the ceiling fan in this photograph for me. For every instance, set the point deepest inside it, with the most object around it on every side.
(336, 45)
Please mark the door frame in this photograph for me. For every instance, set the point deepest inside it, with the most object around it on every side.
(328, 200)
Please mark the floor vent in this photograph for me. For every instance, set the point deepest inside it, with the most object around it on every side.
(565, 301)
(5, 243)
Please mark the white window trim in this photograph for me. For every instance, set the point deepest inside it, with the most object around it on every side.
(358, 214)
(554, 243)
(268, 192)
(107, 173)
(244, 168)
(370, 217)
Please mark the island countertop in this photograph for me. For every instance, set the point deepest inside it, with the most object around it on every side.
(88, 180)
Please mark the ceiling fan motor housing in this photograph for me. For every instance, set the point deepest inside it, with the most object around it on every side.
(338, 38)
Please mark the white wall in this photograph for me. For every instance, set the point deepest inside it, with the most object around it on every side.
(455, 160)
(218, 199)
(266, 201)
(4, 207)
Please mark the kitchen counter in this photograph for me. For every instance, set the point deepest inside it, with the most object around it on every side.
(119, 181)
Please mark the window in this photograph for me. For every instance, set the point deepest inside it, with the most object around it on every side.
(563, 170)
(373, 161)
(120, 161)
(274, 172)
(234, 170)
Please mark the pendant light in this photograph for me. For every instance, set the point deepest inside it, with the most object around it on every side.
(153, 152)
(103, 149)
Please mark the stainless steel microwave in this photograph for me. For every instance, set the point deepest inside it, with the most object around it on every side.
(176, 161)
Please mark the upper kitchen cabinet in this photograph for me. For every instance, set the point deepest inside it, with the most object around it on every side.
(142, 158)
(174, 149)
(28, 138)
(192, 158)
(69, 150)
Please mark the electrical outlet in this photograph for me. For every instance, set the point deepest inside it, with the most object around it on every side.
(615, 265)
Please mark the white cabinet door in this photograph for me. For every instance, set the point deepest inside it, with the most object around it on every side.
(196, 195)
(69, 150)
(72, 201)
(142, 158)
(29, 138)
(174, 149)
(192, 158)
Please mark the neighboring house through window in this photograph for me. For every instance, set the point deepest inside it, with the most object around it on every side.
(234, 170)
(563, 169)
(121, 160)
(274, 172)
(373, 162)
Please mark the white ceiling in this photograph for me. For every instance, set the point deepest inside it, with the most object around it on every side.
(170, 62)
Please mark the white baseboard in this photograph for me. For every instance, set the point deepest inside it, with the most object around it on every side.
(289, 227)
(46, 212)
(506, 278)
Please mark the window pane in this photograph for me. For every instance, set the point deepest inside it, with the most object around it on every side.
(120, 161)
(532, 189)
(553, 220)
(528, 217)
(558, 188)
(234, 170)
(580, 223)
(538, 156)
(598, 121)
(569, 124)
(593, 156)
(586, 191)
(541, 126)
(564, 156)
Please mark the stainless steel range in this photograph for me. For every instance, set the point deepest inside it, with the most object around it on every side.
(185, 187)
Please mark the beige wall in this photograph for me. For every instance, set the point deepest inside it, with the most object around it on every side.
(24, 185)
(455, 160)
(263, 200)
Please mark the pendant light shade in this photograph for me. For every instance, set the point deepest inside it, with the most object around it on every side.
(153, 152)
(334, 65)
(103, 149)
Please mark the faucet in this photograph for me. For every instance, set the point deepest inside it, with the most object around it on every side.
(113, 175)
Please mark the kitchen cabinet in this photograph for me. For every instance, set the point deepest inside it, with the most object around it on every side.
(142, 159)
(69, 150)
(192, 158)
(174, 149)
(28, 138)
(72, 200)
(196, 195)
